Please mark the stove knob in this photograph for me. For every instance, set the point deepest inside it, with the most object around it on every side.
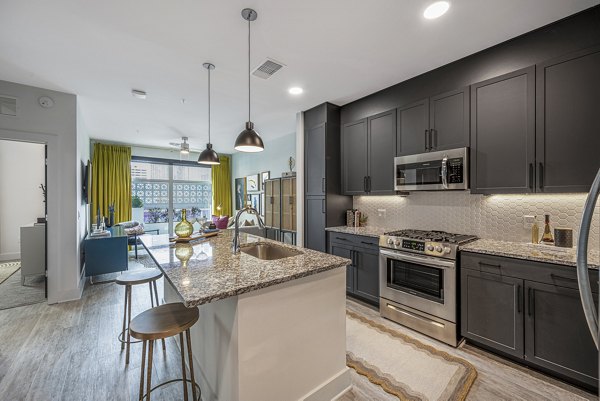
(397, 242)
(390, 241)
(430, 248)
(447, 250)
(438, 248)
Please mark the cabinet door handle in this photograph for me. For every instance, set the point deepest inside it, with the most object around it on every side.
(426, 139)
(366, 243)
(531, 176)
(531, 302)
(369, 184)
(341, 239)
(365, 184)
(519, 298)
(541, 175)
(433, 141)
(323, 206)
(323, 184)
(490, 265)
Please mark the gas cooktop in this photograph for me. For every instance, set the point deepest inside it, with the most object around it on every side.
(431, 243)
(432, 236)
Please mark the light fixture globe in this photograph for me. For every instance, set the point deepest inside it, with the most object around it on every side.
(209, 156)
(248, 140)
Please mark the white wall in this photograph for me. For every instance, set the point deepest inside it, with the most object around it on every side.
(56, 126)
(274, 159)
(21, 200)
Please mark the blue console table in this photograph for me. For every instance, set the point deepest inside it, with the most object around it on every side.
(106, 254)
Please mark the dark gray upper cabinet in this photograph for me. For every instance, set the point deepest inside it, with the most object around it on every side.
(368, 151)
(314, 224)
(382, 150)
(325, 206)
(568, 122)
(503, 133)
(449, 120)
(413, 128)
(556, 332)
(355, 160)
(315, 160)
(492, 310)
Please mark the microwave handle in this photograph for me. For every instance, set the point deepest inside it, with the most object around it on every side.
(445, 172)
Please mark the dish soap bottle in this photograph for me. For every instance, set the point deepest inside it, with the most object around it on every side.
(535, 231)
(547, 237)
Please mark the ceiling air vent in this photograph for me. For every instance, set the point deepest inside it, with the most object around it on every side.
(8, 106)
(267, 68)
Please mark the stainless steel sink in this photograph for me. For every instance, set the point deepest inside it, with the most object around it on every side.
(266, 251)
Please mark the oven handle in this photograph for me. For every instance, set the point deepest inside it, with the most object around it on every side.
(425, 261)
(445, 171)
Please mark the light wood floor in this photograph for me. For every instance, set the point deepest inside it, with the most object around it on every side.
(69, 352)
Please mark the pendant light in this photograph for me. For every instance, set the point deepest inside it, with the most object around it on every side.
(248, 140)
(208, 155)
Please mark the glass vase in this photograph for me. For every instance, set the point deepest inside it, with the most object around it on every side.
(184, 228)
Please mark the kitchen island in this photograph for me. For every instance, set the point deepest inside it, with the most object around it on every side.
(268, 329)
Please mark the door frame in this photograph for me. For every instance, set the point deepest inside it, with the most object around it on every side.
(53, 222)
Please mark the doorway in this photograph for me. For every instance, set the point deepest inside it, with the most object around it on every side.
(23, 231)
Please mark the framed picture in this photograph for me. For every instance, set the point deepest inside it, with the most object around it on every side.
(265, 175)
(240, 192)
(255, 202)
(252, 183)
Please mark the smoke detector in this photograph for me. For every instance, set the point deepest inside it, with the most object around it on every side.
(267, 68)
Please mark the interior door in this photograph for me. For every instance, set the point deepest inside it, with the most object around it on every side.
(46, 225)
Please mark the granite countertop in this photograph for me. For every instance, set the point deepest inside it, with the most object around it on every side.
(367, 231)
(211, 272)
(538, 253)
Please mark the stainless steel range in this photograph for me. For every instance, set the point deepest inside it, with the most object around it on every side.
(418, 278)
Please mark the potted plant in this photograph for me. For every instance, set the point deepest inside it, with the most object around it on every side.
(137, 208)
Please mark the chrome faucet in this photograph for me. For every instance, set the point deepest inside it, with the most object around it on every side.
(235, 246)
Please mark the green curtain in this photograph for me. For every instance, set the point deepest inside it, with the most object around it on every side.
(221, 186)
(111, 181)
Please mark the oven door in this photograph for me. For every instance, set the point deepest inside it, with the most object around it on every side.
(420, 282)
(430, 171)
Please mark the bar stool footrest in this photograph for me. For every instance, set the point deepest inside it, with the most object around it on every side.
(145, 396)
(121, 335)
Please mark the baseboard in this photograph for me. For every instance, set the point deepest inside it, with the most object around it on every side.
(332, 389)
(10, 256)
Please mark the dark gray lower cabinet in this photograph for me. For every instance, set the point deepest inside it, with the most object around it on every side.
(530, 312)
(315, 220)
(493, 310)
(556, 332)
(362, 275)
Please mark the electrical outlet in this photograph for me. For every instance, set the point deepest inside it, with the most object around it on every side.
(528, 221)
(381, 213)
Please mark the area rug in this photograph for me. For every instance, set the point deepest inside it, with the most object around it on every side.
(404, 366)
(7, 269)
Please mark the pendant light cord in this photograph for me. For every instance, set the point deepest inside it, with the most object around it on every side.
(248, 69)
(209, 104)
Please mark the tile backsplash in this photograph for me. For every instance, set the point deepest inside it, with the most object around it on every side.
(495, 217)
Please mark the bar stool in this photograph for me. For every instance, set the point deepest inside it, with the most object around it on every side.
(130, 279)
(157, 324)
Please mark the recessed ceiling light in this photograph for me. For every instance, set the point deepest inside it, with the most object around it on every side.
(138, 93)
(436, 10)
(295, 90)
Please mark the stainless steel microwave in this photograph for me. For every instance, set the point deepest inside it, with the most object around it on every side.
(432, 171)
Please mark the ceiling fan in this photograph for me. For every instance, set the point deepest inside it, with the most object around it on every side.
(183, 147)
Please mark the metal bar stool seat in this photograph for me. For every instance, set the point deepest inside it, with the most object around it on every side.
(129, 279)
(157, 324)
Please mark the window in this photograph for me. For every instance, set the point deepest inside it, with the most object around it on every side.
(164, 188)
